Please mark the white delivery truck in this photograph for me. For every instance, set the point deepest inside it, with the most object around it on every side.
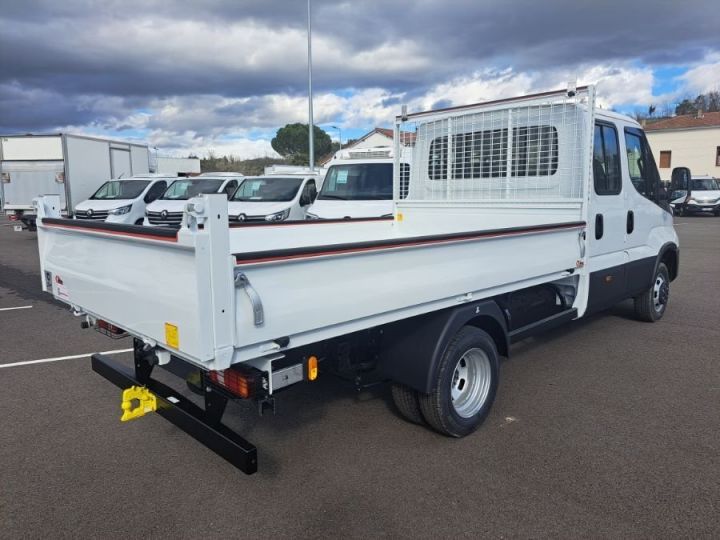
(71, 166)
(167, 210)
(276, 197)
(359, 183)
(124, 200)
(520, 215)
(700, 196)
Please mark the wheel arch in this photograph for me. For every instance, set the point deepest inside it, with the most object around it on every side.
(411, 350)
(670, 255)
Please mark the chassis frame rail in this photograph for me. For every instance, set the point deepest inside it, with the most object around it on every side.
(202, 425)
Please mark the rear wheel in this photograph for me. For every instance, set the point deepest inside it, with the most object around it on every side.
(650, 306)
(407, 403)
(465, 385)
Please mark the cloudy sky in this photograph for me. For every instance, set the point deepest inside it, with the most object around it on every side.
(223, 75)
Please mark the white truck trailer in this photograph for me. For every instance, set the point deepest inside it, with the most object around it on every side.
(519, 215)
(71, 166)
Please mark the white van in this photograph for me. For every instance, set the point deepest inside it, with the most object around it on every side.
(167, 210)
(123, 200)
(283, 197)
(702, 198)
(359, 184)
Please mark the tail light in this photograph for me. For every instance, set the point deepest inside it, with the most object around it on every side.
(244, 382)
(110, 330)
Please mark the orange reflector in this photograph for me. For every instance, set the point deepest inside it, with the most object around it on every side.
(312, 368)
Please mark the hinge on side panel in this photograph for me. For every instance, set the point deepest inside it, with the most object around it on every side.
(242, 282)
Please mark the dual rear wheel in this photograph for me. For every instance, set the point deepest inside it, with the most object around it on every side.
(464, 389)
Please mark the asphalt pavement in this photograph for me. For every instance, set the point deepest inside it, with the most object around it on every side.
(605, 428)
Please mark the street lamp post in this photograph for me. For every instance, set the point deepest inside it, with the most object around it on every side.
(339, 135)
(311, 125)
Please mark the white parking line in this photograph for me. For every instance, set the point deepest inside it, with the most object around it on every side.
(11, 308)
(59, 358)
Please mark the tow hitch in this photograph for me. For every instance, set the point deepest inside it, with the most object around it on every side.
(142, 394)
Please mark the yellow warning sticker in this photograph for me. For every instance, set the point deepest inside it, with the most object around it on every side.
(172, 336)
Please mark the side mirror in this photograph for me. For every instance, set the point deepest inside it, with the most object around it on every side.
(680, 178)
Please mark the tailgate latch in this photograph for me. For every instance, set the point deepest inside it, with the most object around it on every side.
(136, 402)
(242, 282)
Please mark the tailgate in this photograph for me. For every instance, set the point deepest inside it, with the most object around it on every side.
(173, 289)
(25, 180)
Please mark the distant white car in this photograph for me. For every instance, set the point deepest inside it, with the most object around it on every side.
(167, 210)
(273, 198)
(123, 200)
(359, 184)
(704, 197)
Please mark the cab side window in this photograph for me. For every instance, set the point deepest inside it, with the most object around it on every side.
(155, 191)
(606, 160)
(641, 165)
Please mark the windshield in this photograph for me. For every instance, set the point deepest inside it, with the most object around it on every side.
(704, 184)
(364, 181)
(120, 189)
(268, 189)
(181, 190)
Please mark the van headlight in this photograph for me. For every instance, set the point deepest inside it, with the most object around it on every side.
(120, 211)
(308, 215)
(278, 216)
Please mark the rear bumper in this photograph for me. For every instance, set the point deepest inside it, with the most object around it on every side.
(183, 413)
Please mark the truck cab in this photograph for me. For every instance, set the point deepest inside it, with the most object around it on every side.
(272, 198)
(358, 184)
(123, 200)
(167, 210)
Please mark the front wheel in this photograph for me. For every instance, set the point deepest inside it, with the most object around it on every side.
(650, 306)
(465, 385)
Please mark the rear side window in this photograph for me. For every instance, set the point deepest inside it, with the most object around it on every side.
(404, 180)
(606, 161)
(484, 154)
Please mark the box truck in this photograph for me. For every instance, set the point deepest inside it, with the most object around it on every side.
(71, 166)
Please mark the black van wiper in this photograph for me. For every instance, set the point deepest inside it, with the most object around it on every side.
(338, 197)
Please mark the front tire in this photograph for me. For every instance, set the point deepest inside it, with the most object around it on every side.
(650, 306)
(465, 385)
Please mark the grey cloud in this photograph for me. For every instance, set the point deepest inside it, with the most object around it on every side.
(455, 37)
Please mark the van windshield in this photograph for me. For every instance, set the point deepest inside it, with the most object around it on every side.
(181, 190)
(120, 189)
(268, 189)
(704, 184)
(358, 182)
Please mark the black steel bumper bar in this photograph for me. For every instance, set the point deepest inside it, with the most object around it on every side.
(182, 412)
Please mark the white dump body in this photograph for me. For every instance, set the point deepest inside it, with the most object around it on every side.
(70, 166)
(231, 294)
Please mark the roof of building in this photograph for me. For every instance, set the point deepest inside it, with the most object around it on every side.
(686, 121)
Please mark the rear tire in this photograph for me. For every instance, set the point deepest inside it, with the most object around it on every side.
(465, 384)
(407, 403)
(650, 306)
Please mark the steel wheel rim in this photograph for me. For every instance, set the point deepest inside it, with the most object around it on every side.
(470, 383)
(661, 292)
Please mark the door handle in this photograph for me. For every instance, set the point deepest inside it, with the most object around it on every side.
(599, 226)
(630, 225)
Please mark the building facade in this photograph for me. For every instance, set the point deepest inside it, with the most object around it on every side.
(691, 140)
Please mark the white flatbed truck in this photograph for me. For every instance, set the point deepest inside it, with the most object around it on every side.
(520, 215)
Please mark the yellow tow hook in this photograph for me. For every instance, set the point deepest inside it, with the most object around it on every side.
(136, 402)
